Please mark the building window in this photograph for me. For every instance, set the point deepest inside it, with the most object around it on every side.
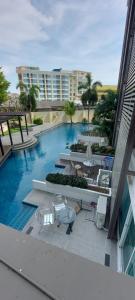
(131, 268)
(129, 245)
(34, 81)
(41, 76)
(26, 81)
(34, 75)
(124, 208)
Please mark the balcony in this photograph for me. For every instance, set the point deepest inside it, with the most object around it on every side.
(35, 269)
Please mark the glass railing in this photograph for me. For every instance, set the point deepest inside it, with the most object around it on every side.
(129, 244)
(125, 203)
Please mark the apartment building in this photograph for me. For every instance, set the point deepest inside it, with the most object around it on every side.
(122, 222)
(55, 85)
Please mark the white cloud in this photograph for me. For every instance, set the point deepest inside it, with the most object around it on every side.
(21, 22)
(71, 34)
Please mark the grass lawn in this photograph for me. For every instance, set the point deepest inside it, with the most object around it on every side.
(13, 130)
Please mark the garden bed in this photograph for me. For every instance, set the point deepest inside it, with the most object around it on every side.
(98, 189)
(79, 147)
(70, 180)
(102, 150)
(75, 181)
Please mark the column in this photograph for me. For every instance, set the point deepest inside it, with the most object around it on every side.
(2, 129)
(9, 131)
(19, 119)
(26, 125)
(1, 147)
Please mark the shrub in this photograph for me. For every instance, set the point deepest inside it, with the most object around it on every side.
(106, 150)
(14, 124)
(78, 148)
(71, 180)
(38, 121)
(84, 121)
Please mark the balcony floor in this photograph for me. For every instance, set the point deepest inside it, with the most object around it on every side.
(86, 240)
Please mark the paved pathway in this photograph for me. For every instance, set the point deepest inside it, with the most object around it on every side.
(35, 131)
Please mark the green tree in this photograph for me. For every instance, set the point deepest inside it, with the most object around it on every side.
(28, 97)
(70, 109)
(23, 99)
(89, 96)
(4, 85)
(104, 114)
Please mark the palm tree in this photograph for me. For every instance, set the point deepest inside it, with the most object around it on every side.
(32, 96)
(23, 99)
(89, 97)
(70, 109)
(22, 86)
(28, 97)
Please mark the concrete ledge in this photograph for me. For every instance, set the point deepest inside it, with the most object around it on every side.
(102, 141)
(69, 191)
(59, 274)
(30, 143)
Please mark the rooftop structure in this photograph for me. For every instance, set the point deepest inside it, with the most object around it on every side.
(5, 117)
(104, 89)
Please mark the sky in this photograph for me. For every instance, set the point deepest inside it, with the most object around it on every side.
(68, 34)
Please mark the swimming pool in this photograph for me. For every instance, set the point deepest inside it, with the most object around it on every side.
(17, 172)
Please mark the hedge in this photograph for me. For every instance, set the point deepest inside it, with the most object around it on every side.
(107, 150)
(78, 148)
(71, 180)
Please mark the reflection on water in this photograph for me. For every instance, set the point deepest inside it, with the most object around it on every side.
(22, 167)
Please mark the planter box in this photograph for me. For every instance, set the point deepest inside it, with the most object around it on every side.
(68, 191)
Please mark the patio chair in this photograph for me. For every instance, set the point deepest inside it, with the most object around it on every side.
(45, 217)
(58, 208)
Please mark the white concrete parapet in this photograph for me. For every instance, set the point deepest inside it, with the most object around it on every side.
(102, 141)
(67, 191)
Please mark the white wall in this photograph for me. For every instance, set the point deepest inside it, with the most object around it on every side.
(67, 191)
(59, 116)
(102, 141)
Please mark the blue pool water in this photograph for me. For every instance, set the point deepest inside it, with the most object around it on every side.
(17, 172)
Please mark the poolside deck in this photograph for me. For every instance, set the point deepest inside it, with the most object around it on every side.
(34, 131)
(7, 150)
(91, 172)
(86, 240)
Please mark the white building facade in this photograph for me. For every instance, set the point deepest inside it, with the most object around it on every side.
(55, 85)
